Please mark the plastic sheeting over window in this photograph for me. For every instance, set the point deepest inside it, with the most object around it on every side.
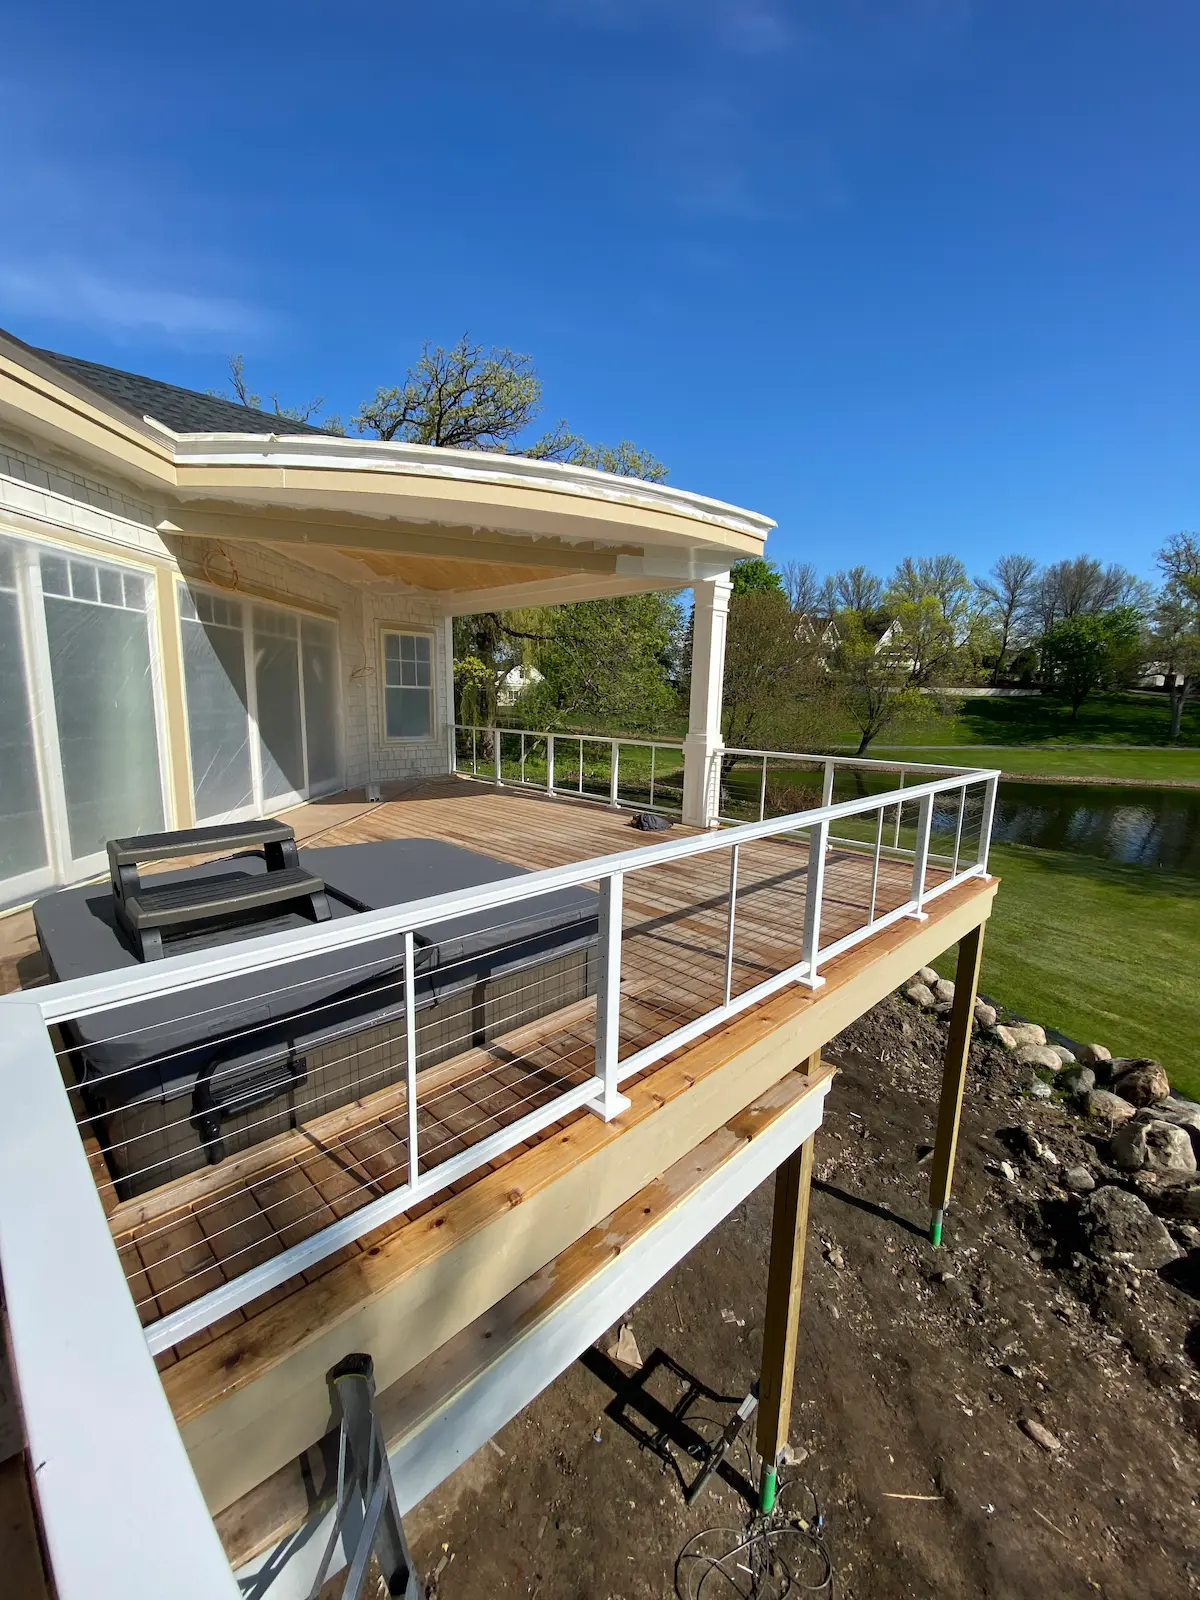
(79, 746)
(214, 676)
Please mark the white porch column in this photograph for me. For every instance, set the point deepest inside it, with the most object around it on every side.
(702, 748)
(447, 668)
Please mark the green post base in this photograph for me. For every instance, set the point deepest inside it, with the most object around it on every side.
(770, 1484)
(935, 1229)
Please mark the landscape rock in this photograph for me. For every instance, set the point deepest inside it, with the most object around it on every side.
(1005, 1037)
(1127, 1148)
(920, 994)
(1038, 1055)
(1064, 1055)
(985, 1015)
(1076, 1080)
(1182, 1202)
(1078, 1180)
(925, 975)
(1142, 1082)
(943, 990)
(1027, 1032)
(1117, 1226)
(1093, 1055)
(1109, 1107)
(1184, 1114)
(1039, 1089)
(1040, 1435)
(1168, 1148)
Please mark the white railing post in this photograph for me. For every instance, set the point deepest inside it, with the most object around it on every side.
(818, 844)
(496, 752)
(827, 785)
(522, 755)
(614, 785)
(410, 1052)
(899, 816)
(579, 785)
(730, 923)
(474, 751)
(985, 822)
(762, 794)
(608, 998)
(549, 763)
(921, 856)
(453, 746)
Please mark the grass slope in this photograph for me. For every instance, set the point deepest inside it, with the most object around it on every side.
(1102, 951)
(1053, 761)
(1115, 719)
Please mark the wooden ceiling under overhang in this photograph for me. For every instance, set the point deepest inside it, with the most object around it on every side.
(432, 572)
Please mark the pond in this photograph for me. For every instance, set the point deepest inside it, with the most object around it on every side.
(1151, 827)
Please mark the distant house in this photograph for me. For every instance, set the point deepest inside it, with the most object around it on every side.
(514, 684)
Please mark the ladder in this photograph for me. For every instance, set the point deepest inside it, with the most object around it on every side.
(367, 1518)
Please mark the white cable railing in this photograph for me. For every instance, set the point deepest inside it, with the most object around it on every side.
(449, 1129)
(557, 764)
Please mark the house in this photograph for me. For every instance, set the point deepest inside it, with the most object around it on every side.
(514, 684)
(204, 619)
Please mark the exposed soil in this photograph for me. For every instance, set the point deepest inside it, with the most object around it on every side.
(916, 1370)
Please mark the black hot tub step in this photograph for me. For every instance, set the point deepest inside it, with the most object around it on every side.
(199, 841)
(164, 906)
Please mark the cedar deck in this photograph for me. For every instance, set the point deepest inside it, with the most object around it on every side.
(183, 1239)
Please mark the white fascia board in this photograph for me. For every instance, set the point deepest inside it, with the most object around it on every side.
(308, 452)
(430, 1450)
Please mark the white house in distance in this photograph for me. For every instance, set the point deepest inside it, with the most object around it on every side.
(208, 612)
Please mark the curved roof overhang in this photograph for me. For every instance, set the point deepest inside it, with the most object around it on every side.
(479, 529)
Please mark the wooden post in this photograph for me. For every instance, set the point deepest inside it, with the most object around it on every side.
(785, 1278)
(954, 1077)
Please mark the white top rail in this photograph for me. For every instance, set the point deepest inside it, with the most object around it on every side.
(105, 991)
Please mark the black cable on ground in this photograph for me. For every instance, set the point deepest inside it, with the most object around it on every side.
(771, 1557)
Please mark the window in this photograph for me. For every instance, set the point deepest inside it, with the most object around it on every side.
(408, 685)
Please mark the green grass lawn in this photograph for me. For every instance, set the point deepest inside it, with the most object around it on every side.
(1102, 951)
(1115, 719)
(1053, 761)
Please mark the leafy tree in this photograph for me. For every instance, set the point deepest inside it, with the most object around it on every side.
(942, 579)
(1081, 653)
(1177, 622)
(624, 460)
(1005, 596)
(607, 662)
(464, 398)
(754, 575)
(775, 685)
(878, 683)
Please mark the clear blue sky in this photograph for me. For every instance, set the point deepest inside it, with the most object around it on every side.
(908, 275)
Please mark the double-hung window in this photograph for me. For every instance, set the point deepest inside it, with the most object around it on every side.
(408, 685)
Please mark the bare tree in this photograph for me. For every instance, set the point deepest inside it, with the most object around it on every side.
(802, 586)
(1082, 587)
(855, 589)
(940, 578)
(1006, 595)
(243, 394)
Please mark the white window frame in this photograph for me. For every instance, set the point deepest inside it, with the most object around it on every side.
(62, 867)
(261, 802)
(412, 631)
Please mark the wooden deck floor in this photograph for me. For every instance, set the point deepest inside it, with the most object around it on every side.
(183, 1239)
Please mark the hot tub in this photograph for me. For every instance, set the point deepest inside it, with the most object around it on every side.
(174, 1083)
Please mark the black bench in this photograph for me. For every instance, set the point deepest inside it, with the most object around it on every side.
(146, 912)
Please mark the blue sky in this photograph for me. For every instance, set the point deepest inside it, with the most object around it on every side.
(908, 275)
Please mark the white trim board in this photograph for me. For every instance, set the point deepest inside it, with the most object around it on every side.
(441, 1422)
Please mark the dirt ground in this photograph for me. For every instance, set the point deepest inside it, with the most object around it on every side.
(915, 1372)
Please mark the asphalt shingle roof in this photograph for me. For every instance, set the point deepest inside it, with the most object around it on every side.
(181, 410)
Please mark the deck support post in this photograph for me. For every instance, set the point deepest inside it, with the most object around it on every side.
(954, 1077)
(785, 1278)
(702, 748)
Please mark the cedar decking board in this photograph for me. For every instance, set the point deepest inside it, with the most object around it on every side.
(183, 1239)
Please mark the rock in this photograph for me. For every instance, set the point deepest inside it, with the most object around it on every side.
(925, 975)
(1110, 1107)
(1040, 1435)
(1127, 1148)
(1004, 1036)
(1117, 1226)
(943, 989)
(1064, 1055)
(1078, 1180)
(1168, 1148)
(1092, 1055)
(1038, 1055)
(1008, 1171)
(1182, 1202)
(1039, 1089)
(1076, 1080)
(1184, 1114)
(1142, 1083)
(985, 1015)
(921, 995)
(1027, 1032)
